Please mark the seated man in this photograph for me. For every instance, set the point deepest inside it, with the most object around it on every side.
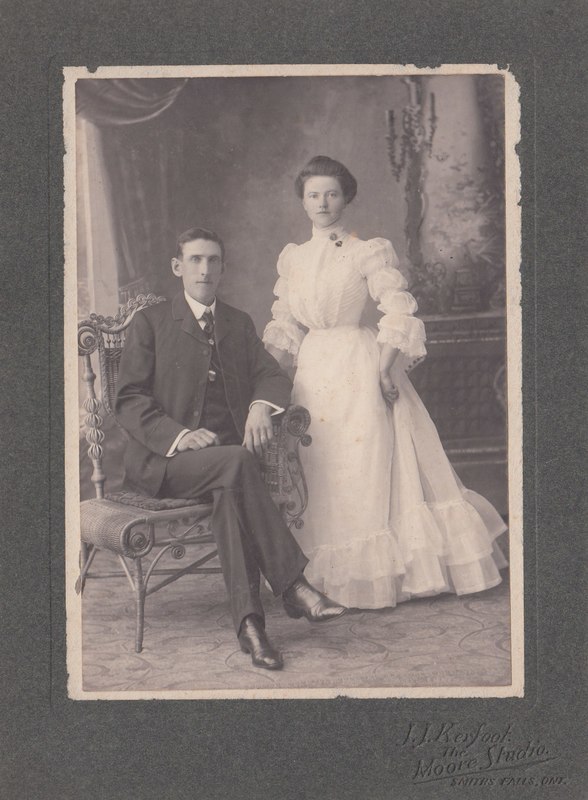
(196, 390)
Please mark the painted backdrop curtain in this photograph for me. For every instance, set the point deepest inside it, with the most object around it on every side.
(134, 173)
(125, 101)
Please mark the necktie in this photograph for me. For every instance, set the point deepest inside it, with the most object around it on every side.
(208, 329)
(208, 325)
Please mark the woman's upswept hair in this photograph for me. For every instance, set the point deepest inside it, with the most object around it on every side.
(325, 166)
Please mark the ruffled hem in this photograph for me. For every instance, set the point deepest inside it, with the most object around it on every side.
(433, 548)
(454, 530)
(371, 557)
(388, 591)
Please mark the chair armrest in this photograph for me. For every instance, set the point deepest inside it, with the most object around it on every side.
(281, 466)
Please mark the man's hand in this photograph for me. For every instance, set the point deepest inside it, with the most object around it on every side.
(389, 390)
(259, 430)
(197, 440)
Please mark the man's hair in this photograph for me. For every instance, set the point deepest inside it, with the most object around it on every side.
(198, 233)
(328, 167)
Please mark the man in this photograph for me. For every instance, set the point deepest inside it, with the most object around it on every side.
(196, 390)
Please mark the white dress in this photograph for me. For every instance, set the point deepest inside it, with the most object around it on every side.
(388, 518)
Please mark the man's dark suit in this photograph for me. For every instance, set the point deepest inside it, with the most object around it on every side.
(161, 390)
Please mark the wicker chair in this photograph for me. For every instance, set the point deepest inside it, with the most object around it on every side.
(145, 532)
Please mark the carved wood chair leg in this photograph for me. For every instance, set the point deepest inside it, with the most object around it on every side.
(87, 553)
(84, 551)
(140, 604)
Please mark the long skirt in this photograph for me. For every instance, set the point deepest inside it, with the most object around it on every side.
(387, 519)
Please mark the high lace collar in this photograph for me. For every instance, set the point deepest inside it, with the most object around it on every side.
(335, 232)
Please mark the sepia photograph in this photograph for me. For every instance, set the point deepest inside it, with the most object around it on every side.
(293, 411)
(294, 428)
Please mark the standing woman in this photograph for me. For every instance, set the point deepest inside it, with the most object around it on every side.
(388, 518)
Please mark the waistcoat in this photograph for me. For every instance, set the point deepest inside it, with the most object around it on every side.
(216, 416)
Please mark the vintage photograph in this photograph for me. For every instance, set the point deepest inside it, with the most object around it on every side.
(293, 382)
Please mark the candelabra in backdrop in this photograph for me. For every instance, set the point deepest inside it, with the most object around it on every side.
(406, 151)
(415, 138)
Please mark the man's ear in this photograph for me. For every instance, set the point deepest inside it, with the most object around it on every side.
(176, 266)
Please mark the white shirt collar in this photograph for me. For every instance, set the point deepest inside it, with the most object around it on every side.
(333, 232)
(197, 308)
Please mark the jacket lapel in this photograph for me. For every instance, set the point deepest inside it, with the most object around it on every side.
(222, 321)
(182, 311)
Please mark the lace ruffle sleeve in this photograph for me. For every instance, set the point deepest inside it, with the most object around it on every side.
(283, 332)
(387, 286)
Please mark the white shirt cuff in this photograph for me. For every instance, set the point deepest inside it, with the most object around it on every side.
(276, 409)
(172, 451)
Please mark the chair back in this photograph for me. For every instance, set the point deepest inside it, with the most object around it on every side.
(106, 337)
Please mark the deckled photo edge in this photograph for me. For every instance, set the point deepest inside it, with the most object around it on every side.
(514, 377)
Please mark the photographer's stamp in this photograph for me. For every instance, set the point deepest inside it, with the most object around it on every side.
(483, 755)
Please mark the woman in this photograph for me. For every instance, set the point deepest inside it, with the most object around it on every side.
(388, 519)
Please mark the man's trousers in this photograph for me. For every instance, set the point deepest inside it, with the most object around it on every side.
(249, 531)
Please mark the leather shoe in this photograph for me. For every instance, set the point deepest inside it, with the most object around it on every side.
(253, 640)
(303, 600)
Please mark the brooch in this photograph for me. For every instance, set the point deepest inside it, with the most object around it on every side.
(339, 244)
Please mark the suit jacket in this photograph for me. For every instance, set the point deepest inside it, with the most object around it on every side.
(163, 376)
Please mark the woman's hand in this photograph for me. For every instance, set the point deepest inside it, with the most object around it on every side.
(388, 389)
(388, 355)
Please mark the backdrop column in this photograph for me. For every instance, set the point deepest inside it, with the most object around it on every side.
(453, 179)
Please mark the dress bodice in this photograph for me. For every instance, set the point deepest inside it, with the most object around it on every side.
(326, 287)
(325, 282)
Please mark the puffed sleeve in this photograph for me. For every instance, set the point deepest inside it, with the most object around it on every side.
(283, 332)
(387, 286)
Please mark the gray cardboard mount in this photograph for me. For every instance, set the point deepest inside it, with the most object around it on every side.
(52, 747)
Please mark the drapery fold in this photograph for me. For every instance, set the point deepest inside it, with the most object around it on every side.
(134, 172)
(125, 101)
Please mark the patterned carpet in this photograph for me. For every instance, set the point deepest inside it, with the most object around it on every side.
(190, 643)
